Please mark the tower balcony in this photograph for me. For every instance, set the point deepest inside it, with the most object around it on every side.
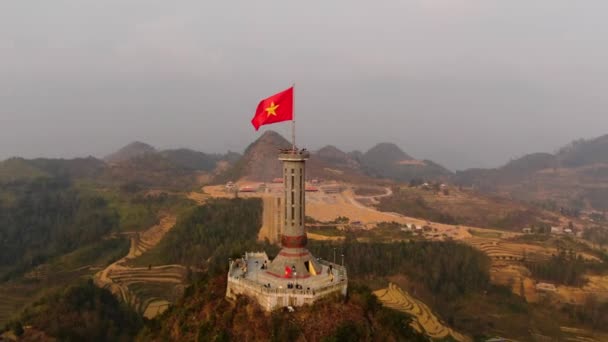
(296, 154)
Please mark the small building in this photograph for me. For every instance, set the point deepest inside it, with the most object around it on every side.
(556, 230)
(546, 287)
(310, 188)
(568, 231)
(332, 189)
(247, 188)
(527, 230)
(278, 180)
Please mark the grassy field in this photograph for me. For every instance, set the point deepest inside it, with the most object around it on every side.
(326, 231)
(99, 254)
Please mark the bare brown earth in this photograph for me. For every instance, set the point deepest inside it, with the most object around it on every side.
(412, 162)
(149, 290)
(198, 197)
(328, 206)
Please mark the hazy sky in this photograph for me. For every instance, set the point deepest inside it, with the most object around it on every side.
(463, 82)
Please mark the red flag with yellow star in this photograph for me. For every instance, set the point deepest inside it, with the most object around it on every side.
(277, 108)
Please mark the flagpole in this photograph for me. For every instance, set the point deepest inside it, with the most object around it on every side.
(293, 120)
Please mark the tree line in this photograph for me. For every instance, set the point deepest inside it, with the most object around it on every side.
(445, 268)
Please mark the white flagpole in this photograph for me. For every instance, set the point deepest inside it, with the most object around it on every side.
(293, 120)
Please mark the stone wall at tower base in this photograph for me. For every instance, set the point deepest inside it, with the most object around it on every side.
(271, 299)
(248, 277)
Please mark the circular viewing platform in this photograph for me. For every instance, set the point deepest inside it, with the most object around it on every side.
(248, 276)
(290, 154)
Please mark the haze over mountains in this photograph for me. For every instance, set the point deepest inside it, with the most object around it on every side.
(574, 177)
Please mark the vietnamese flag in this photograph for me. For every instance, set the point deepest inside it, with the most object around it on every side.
(287, 272)
(277, 108)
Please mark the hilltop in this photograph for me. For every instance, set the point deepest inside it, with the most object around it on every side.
(142, 164)
(334, 156)
(357, 318)
(259, 161)
(132, 150)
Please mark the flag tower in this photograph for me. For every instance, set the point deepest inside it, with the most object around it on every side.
(294, 277)
(294, 254)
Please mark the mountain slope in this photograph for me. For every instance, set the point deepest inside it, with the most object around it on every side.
(389, 161)
(14, 169)
(190, 159)
(337, 158)
(151, 170)
(584, 152)
(576, 177)
(259, 162)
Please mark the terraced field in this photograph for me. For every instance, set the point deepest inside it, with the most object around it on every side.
(582, 335)
(12, 301)
(149, 290)
(501, 250)
(143, 287)
(424, 319)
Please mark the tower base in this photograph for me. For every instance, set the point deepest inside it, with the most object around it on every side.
(249, 276)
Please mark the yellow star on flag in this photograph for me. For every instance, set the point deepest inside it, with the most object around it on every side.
(272, 109)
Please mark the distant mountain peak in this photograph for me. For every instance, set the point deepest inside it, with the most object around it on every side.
(132, 150)
(387, 151)
(389, 161)
(259, 162)
(270, 139)
(334, 156)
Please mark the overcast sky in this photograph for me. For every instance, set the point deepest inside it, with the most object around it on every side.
(466, 83)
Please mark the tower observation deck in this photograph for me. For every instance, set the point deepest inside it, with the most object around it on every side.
(294, 277)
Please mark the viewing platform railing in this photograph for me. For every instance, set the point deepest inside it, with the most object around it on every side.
(340, 282)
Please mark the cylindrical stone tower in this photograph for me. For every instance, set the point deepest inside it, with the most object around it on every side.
(294, 235)
(294, 260)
